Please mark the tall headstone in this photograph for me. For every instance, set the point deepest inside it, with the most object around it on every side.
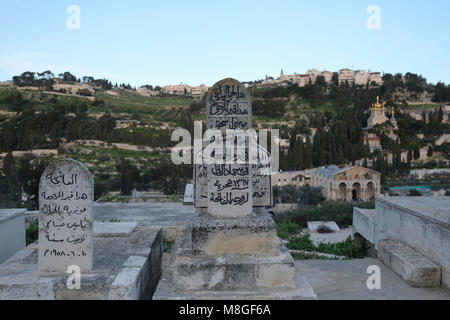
(66, 194)
(230, 246)
(232, 189)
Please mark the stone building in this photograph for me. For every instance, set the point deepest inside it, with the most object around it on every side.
(359, 77)
(348, 184)
(199, 92)
(178, 89)
(372, 140)
(375, 77)
(346, 75)
(301, 79)
(293, 178)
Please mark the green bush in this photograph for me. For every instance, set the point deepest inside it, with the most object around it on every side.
(310, 255)
(345, 248)
(338, 211)
(301, 243)
(287, 228)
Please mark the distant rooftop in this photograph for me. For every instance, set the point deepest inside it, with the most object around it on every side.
(330, 170)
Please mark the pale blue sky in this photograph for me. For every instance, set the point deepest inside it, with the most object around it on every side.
(168, 42)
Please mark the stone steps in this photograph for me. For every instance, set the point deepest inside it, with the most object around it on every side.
(412, 266)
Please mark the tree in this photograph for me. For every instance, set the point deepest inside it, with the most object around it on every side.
(9, 169)
(128, 175)
(29, 174)
(68, 77)
(15, 101)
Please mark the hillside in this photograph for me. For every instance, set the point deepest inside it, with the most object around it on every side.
(125, 137)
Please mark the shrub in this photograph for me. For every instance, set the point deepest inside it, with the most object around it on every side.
(310, 255)
(84, 92)
(287, 228)
(338, 211)
(345, 248)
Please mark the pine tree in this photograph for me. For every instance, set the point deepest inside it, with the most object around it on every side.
(9, 166)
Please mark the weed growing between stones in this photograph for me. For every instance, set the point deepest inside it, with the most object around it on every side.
(167, 246)
(32, 233)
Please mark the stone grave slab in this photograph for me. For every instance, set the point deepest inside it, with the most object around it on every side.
(66, 194)
(314, 225)
(114, 229)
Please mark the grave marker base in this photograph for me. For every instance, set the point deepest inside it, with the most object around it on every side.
(234, 258)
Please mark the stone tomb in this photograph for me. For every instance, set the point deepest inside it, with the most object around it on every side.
(124, 263)
(231, 248)
(66, 195)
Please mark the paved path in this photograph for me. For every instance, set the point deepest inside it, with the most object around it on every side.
(148, 213)
(346, 280)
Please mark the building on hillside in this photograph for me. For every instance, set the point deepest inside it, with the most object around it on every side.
(293, 178)
(359, 77)
(144, 91)
(328, 75)
(375, 77)
(346, 75)
(313, 74)
(372, 140)
(377, 114)
(284, 144)
(310, 77)
(73, 88)
(348, 184)
(178, 89)
(393, 121)
(199, 92)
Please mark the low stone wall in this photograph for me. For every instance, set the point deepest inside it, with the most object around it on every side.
(364, 223)
(12, 232)
(422, 223)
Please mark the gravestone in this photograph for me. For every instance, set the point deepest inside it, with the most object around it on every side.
(231, 248)
(188, 198)
(233, 188)
(66, 194)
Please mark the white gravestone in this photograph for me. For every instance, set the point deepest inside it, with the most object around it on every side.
(66, 195)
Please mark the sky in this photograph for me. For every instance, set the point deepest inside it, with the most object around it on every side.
(200, 42)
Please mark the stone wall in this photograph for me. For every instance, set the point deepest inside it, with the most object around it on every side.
(421, 223)
(12, 232)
